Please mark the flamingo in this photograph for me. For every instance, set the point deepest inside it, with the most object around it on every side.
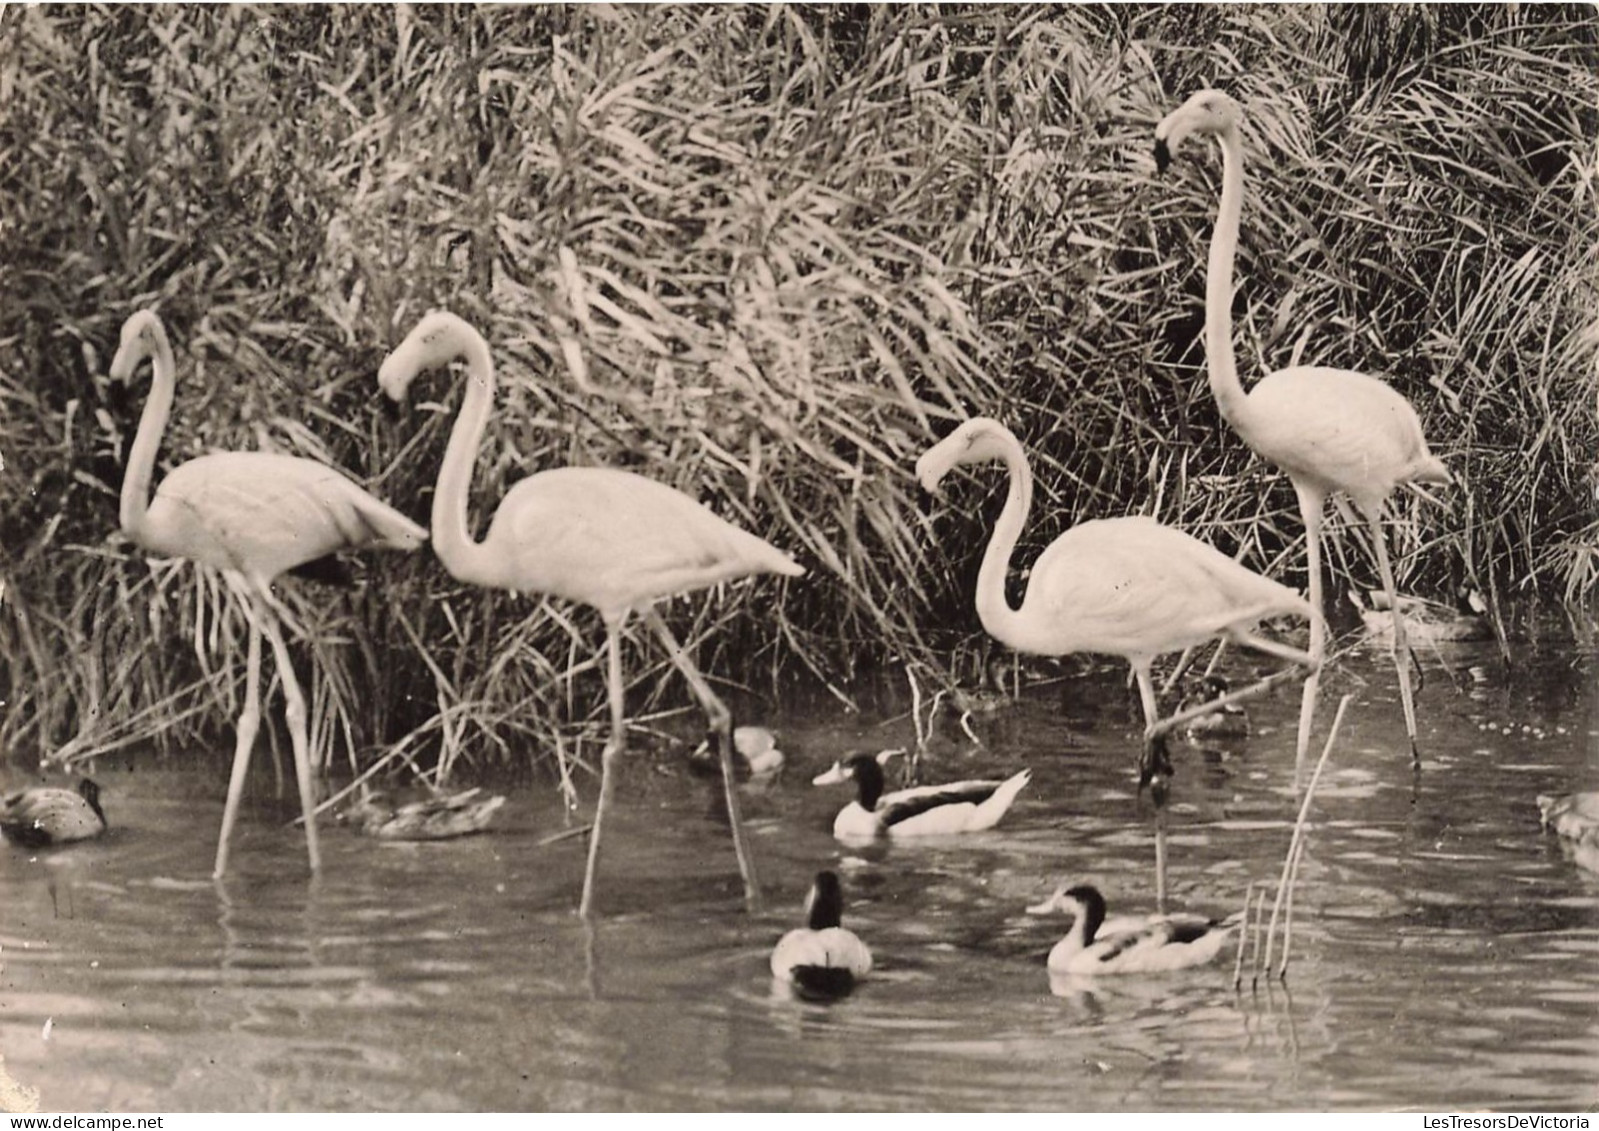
(610, 539)
(252, 515)
(1330, 430)
(1127, 587)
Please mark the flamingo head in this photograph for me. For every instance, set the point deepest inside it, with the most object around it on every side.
(142, 336)
(437, 340)
(980, 440)
(1212, 112)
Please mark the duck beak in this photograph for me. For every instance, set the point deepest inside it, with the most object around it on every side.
(831, 776)
(1044, 908)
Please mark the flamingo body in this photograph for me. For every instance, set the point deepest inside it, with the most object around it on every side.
(252, 515)
(822, 959)
(1132, 587)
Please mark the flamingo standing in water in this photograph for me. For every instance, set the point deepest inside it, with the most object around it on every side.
(1330, 429)
(606, 538)
(1126, 587)
(252, 515)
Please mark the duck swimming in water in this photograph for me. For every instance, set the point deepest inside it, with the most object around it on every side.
(822, 959)
(1229, 721)
(40, 816)
(1156, 944)
(756, 750)
(928, 810)
(433, 818)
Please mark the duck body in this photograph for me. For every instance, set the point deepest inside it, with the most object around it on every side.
(40, 816)
(757, 753)
(1157, 944)
(822, 959)
(1572, 815)
(435, 818)
(1229, 721)
(929, 810)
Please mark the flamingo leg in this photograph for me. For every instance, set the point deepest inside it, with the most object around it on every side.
(249, 723)
(1155, 768)
(1311, 505)
(613, 749)
(294, 710)
(1400, 646)
(721, 720)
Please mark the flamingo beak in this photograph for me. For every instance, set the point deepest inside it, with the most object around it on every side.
(832, 775)
(1162, 155)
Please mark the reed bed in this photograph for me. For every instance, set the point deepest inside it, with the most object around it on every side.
(766, 255)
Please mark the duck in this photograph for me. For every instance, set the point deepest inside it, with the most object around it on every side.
(433, 818)
(41, 816)
(1156, 944)
(929, 810)
(755, 746)
(822, 959)
(1229, 721)
(1572, 815)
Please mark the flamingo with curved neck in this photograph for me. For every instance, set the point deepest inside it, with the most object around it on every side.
(253, 516)
(1330, 429)
(1127, 587)
(610, 539)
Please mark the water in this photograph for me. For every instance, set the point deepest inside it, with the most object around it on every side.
(1446, 952)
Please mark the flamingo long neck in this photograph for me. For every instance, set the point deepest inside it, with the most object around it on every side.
(1222, 362)
(465, 558)
(1001, 621)
(135, 504)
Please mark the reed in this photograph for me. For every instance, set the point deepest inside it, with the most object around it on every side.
(764, 254)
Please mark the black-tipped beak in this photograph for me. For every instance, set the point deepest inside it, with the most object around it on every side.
(925, 501)
(391, 407)
(1162, 155)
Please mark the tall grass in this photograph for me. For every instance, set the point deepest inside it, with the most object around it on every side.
(764, 254)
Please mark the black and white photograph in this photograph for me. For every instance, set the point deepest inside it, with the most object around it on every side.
(846, 558)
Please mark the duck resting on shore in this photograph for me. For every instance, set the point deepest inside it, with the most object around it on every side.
(41, 816)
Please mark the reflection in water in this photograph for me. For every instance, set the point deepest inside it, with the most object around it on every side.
(1444, 946)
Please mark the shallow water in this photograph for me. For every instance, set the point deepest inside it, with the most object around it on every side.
(1445, 951)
